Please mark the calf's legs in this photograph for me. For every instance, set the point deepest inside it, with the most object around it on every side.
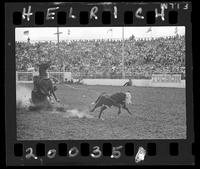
(93, 108)
(124, 107)
(119, 112)
(101, 111)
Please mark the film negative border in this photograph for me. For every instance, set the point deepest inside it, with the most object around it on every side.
(103, 152)
(79, 15)
(126, 14)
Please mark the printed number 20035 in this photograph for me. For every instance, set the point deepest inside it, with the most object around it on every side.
(73, 152)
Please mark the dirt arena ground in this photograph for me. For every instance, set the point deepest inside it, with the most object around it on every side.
(157, 113)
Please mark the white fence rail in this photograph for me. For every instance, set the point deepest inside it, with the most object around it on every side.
(27, 77)
(157, 80)
(135, 82)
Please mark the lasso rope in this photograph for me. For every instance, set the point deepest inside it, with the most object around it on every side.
(82, 89)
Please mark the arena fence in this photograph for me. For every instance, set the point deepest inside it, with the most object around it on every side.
(157, 80)
(135, 82)
(63, 76)
(27, 77)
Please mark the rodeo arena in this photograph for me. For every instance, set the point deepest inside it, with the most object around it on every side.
(95, 89)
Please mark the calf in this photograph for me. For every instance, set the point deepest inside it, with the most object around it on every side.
(118, 100)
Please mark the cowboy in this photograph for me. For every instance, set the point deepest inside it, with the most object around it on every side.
(43, 69)
(42, 75)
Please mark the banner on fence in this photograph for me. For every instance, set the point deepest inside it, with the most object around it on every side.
(166, 78)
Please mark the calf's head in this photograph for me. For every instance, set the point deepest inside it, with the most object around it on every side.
(128, 98)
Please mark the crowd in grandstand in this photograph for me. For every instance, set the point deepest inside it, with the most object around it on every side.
(103, 58)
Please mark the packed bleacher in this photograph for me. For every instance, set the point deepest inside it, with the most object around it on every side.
(103, 58)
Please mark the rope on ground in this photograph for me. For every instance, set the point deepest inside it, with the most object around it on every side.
(82, 89)
(72, 87)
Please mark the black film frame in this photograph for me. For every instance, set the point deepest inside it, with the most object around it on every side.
(162, 156)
